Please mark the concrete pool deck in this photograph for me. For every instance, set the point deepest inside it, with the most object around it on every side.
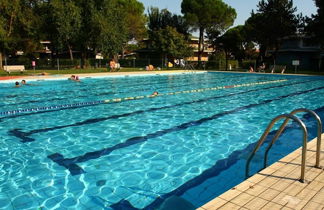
(278, 186)
(93, 75)
(18, 78)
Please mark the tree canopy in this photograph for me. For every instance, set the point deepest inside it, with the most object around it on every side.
(213, 15)
(171, 43)
(233, 42)
(66, 27)
(17, 26)
(316, 23)
(88, 26)
(273, 20)
(106, 26)
(169, 33)
(134, 18)
(161, 19)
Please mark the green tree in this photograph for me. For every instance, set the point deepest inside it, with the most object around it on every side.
(85, 39)
(3, 39)
(134, 18)
(315, 24)
(273, 20)
(135, 21)
(232, 42)
(103, 28)
(17, 29)
(171, 43)
(169, 34)
(66, 18)
(111, 28)
(161, 19)
(213, 15)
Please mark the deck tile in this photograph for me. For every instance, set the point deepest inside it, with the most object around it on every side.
(279, 186)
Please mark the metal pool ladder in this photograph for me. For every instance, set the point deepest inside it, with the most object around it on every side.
(288, 117)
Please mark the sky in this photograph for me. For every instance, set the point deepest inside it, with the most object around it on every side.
(243, 7)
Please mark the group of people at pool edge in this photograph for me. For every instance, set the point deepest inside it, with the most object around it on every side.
(23, 82)
(74, 78)
(262, 68)
(113, 65)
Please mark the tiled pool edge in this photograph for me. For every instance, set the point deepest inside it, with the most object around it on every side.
(277, 187)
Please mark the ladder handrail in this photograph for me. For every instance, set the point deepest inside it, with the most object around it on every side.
(265, 134)
(319, 135)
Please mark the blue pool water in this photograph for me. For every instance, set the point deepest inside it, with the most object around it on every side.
(191, 141)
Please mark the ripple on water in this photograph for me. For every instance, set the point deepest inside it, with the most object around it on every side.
(24, 201)
(149, 154)
(155, 175)
(138, 173)
(53, 202)
(131, 179)
(5, 201)
(100, 183)
(69, 203)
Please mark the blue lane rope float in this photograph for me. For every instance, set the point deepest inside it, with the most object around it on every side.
(116, 100)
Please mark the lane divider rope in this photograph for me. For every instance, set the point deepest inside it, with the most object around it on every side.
(116, 100)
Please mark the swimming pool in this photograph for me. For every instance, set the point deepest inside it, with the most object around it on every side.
(70, 145)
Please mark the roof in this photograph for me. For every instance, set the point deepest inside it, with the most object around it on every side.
(316, 50)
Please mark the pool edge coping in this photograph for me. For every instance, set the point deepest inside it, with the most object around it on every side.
(256, 191)
(98, 75)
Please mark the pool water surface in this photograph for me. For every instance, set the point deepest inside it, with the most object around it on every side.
(104, 143)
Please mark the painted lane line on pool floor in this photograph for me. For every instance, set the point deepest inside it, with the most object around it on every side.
(71, 163)
(116, 100)
(24, 136)
(219, 166)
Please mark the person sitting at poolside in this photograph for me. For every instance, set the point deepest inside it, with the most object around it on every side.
(112, 65)
(149, 67)
(43, 74)
(251, 69)
(17, 84)
(262, 68)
